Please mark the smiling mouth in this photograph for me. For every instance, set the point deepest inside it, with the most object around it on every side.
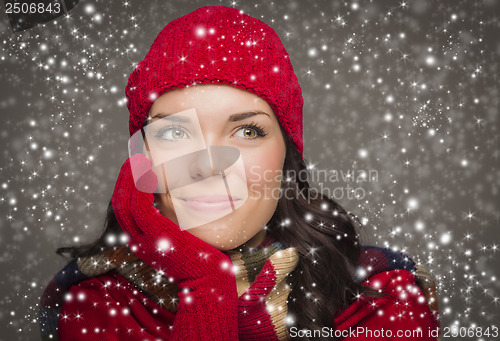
(210, 203)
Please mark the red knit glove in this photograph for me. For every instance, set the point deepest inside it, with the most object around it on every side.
(208, 298)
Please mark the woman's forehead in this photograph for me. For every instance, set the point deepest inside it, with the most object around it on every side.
(208, 97)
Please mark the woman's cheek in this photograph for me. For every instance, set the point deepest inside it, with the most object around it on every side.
(264, 177)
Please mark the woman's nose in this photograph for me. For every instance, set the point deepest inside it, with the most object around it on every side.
(214, 160)
(199, 166)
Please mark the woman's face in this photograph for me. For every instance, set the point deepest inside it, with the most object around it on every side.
(228, 117)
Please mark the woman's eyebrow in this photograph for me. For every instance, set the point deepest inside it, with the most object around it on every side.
(232, 118)
(170, 117)
(242, 116)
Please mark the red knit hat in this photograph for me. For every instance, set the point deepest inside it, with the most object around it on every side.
(218, 44)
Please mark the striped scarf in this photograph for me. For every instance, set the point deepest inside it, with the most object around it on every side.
(260, 272)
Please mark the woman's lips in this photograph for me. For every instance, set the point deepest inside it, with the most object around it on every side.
(209, 203)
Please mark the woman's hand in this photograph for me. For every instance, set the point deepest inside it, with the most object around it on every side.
(204, 275)
(156, 239)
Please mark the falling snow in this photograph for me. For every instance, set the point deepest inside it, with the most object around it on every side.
(408, 88)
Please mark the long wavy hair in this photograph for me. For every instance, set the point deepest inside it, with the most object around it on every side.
(324, 234)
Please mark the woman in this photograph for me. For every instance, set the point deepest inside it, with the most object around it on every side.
(197, 243)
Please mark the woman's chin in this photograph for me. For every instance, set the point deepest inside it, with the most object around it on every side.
(223, 243)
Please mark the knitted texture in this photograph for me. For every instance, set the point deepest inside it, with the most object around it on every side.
(117, 273)
(222, 45)
(203, 273)
(377, 259)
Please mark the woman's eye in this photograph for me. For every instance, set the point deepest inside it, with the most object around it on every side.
(172, 133)
(250, 132)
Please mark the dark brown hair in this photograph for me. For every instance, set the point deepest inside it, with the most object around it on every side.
(324, 234)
